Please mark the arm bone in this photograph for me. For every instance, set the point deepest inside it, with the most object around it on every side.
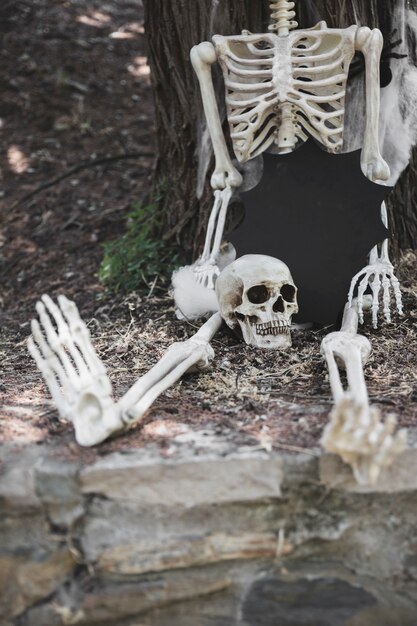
(180, 358)
(202, 57)
(352, 351)
(370, 43)
(206, 269)
(356, 431)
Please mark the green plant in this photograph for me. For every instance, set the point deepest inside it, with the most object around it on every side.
(137, 257)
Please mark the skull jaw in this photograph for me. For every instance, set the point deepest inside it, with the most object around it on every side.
(269, 342)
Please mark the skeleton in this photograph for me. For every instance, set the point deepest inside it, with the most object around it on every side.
(256, 293)
(281, 88)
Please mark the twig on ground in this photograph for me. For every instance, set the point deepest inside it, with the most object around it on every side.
(151, 290)
(77, 168)
(289, 448)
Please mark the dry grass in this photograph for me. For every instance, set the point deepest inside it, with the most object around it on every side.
(256, 398)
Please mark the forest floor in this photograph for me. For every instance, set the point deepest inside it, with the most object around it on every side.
(75, 89)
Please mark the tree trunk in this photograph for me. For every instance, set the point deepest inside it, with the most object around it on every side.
(172, 29)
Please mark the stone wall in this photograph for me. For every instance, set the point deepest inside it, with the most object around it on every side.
(205, 539)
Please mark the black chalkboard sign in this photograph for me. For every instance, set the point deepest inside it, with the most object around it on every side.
(319, 214)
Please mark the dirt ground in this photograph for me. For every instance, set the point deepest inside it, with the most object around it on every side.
(75, 90)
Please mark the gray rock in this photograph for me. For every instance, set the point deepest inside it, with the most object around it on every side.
(114, 603)
(24, 582)
(200, 480)
(17, 486)
(401, 476)
(208, 538)
(188, 551)
(57, 487)
(307, 602)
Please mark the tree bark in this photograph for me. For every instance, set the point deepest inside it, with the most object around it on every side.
(172, 29)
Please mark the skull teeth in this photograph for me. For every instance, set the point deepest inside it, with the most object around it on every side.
(272, 328)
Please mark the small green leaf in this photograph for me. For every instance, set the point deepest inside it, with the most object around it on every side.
(137, 257)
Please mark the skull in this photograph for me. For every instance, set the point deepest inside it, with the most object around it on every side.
(258, 293)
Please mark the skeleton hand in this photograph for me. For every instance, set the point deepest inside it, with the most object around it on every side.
(378, 274)
(75, 376)
(357, 434)
(206, 274)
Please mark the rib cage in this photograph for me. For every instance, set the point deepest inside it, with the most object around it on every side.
(280, 90)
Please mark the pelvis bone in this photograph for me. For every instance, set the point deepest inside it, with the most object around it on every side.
(257, 293)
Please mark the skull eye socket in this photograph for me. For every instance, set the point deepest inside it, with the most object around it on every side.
(258, 294)
(288, 293)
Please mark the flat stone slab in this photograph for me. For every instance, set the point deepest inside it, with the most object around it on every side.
(208, 479)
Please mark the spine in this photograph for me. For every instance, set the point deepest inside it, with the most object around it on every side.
(282, 17)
